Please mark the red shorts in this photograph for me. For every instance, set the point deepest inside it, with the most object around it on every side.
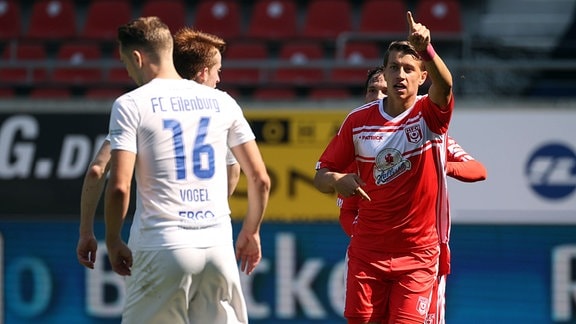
(389, 287)
(437, 302)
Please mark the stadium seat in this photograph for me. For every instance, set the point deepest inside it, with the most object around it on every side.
(235, 53)
(297, 55)
(50, 93)
(383, 16)
(117, 75)
(219, 17)
(329, 94)
(75, 56)
(10, 17)
(6, 93)
(23, 54)
(326, 19)
(172, 12)
(233, 92)
(104, 93)
(356, 55)
(273, 20)
(53, 20)
(440, 16)
(101, 25)
(272, 94)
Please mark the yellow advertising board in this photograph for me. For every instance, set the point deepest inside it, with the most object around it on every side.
(291, 141)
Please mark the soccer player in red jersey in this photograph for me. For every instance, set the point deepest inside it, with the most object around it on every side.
(460, 165)
(399, 148)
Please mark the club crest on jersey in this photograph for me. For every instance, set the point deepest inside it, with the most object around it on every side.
(413, 133)
(389, 165)
(422, 306)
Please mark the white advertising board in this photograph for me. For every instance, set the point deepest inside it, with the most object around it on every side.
(530, 155)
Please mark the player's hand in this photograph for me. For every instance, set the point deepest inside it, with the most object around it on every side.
(86, 250)
(350, 185)
(248, 251)
(120, 256)
(418, 34)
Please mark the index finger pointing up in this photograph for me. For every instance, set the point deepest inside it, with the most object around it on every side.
(410, 20)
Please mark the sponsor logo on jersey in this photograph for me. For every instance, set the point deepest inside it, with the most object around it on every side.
(551, 171)
(389, 165)
(413, 133)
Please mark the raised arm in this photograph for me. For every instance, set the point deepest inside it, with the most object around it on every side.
(440, 92)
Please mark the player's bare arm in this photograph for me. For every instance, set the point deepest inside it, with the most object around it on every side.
(440, 92)
(248, 248)
(92, 188)
(117, 200)
(233, 171)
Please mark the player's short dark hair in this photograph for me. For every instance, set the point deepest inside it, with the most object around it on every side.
(371, 74)
(402, 47)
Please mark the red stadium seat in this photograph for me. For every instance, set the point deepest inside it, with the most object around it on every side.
(298, 55)
(7, 93)
(117, 75)
(24, 54)
(171, 12)
(50, 93)
(326, 19)
(273, 20)
(329, 94)
(76, 56)
(236, 52)
(10, 17)
(383, 16)
(104, 93)
(101, 24)
(356, 55)
(233, 92)
(272, 94)
(52, 20)
(219, 17)
(440, 16)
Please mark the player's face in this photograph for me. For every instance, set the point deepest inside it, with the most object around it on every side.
(403, 75)
(376, 88)
(212, 77)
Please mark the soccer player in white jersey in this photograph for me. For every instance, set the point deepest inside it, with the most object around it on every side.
(198, 57)
(172, 134)
(398, 145)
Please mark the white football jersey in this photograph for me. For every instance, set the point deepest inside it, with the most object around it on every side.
(181, 132)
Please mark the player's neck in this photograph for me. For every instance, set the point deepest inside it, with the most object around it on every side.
(395, 106)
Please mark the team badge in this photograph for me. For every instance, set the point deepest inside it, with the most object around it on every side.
(413, 133)
(389, 165)
(422, 305)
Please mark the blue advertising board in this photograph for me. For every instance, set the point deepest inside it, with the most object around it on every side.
(500, 274)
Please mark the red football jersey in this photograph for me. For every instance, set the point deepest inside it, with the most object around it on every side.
(401, 159)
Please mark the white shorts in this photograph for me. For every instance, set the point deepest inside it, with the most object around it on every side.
(187, 286)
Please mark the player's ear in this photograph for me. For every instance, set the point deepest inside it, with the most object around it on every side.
(423, 77)
(202, 75)
(137, 56)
